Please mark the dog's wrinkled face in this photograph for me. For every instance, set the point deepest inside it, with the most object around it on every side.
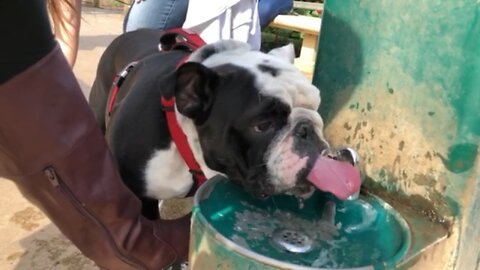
(255, 115)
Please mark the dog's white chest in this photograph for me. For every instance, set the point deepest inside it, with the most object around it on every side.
(166, 175)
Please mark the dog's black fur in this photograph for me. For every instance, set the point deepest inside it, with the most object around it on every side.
(236, 123)
(145, 83)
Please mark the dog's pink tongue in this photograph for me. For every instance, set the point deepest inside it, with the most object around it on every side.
(337, 177)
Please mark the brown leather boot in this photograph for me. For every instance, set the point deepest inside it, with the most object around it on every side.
(50, 145)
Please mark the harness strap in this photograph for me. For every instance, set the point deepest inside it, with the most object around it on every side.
(177, 37)
(181, 39)
(117, 82)
(172, 39)
(181, 141)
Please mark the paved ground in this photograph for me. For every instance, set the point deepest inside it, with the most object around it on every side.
(28, 240)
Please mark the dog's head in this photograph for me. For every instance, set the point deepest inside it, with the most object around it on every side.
(254, 115)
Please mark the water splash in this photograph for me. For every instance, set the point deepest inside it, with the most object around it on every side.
(366, 211)
(337, 230)
(326, 259)
(254, 229)
(259, 224)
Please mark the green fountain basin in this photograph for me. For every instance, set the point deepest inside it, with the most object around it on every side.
(233, 230)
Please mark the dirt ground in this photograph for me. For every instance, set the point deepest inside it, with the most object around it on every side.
(28, 240)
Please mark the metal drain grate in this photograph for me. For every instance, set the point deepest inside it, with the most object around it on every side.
(292, 241)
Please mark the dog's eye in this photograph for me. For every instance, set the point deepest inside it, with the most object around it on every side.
(263, 126)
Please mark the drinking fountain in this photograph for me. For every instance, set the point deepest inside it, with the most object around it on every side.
(400, 84)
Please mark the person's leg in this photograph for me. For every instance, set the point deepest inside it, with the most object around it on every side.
(52, 148)
(26, 36)
(269, 9)
(156, 14)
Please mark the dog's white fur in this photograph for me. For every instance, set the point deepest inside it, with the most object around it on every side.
(166, 173)
(283, 163)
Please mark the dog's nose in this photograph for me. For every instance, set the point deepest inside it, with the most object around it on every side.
(303, 130)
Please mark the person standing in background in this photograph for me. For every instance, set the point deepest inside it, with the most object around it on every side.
(223, 19)
(155, 14)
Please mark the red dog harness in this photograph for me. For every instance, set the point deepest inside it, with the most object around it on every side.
(171, 39)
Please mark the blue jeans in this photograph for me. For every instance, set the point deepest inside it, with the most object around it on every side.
(269, 9)
(157, 14)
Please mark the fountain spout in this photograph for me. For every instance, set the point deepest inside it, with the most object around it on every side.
(351, 156)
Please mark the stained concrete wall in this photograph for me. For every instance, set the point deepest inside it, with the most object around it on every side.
(400, 83)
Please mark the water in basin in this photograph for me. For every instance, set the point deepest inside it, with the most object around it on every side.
(320, 232)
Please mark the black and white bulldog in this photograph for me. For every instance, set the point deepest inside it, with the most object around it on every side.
(249, 115)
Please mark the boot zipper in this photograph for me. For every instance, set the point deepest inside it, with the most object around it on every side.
(52, 176)
(57, 183)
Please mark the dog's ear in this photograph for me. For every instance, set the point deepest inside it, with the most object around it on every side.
(286, 52)
(194, 90)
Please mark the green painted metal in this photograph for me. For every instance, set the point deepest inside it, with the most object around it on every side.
(234, 229)
(400, 82)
